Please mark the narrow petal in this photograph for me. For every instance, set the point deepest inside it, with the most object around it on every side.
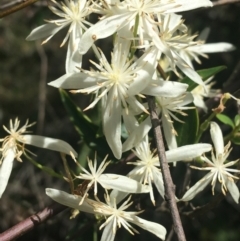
(49, 143)
(233, 189)
(122, 183)
(197, 188)
(108, 233)
(5, 170)
(137, 135)
(158, 181)
(165, 89)
(217, 138)
(186, 5)
(101, 30)
(213, 48)
(151, 227)
(44, 31)
(69, 200)
(74, 81)
(187, 153)
(112, 124)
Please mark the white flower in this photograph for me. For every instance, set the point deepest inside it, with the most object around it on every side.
(124, 14)
(109, 180)
(116, 217)
(169, 38)
(14, 144)
(199, 93)
(147, 166)
(218, 167)
(73, 13)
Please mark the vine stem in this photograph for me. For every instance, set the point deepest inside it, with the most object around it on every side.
(31, 222)
(167, 179)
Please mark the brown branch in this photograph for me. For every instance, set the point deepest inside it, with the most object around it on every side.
(16, 7)
(167, 179)
(223, 2)
(31, 222)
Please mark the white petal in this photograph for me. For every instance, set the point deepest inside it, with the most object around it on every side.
(74, 81)
(5, 170)
(102, 30)
(213, 48)
(108, 233)
(165, 89)
(73, 58)
(233, 190)
(187, 152)
(69, 200)
(197, 188)
(112, 124)
(185, 5)
(44, 31)
(49, 143)
(217, 138)
(168, 130)
(137, 135)
(151, 227)
(122, 183)
(144, 75)
(158, 181)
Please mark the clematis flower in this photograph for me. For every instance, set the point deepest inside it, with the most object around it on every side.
(108, 180)
(71, 13)
(115, 216)
(123, 14)
(117, 84)
(218, 167)
(13, 146)
(146, 170)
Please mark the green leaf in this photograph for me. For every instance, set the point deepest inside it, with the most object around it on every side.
(84, 126)
(237, 120)
(188, 130)
(225, 120)
(205, 74)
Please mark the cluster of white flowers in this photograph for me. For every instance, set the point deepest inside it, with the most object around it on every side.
(154, 28)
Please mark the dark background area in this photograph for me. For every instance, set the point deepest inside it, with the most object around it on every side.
(26, 67)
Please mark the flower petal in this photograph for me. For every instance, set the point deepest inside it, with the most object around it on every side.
(217, 138)
(165, 89)
(158, 181)
(44, 31)
(74, 81)
(49, 143)
(197, 188)
(122, 183)
(112, 124)
(151, 227)
(188, 152)
(69, 200)
(101, 30)
(108, 234)
(233, 189)
(5, 170)
(213, 48)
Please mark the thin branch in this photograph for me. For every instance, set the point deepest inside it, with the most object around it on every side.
(31, 222)
(20, 5)
(167, 179)
(224, 2)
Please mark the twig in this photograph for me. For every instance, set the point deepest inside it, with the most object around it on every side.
(31, 222)
(168, 184)
(223, 2)
(22, 4)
